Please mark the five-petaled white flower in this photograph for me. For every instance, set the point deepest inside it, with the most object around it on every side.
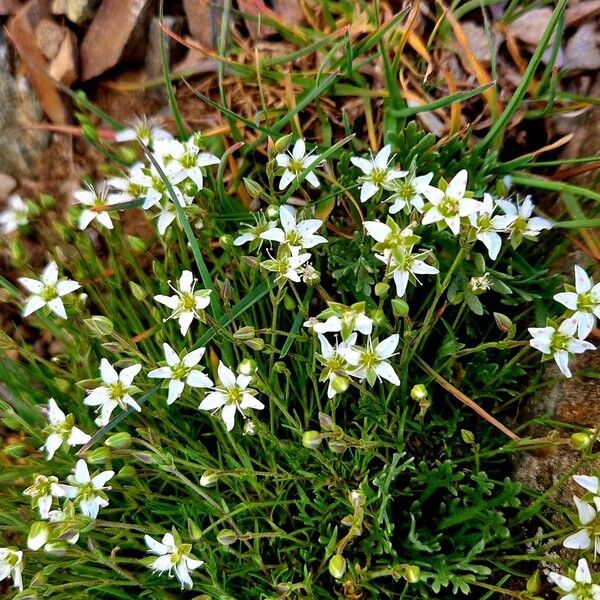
(408, 192)
(42, 491)
(488, 226)
(372, 363)
(580, 588)
(116, 391)
(186, 303)
(143, 129)
(342, 319)
(61, 429)
(94, 199)
(11, 565)
(376, 171)
(589, 534)
(521, 223)
(88, 492)
(404, 264)
(451, 204)
(232, 395)
(585, 301)
(294, 234)
(255, 232)
(184, 160)
(181, 371)
(48, 291)
(14, 215)
(559, 342)
(295, 162)
(287, 265)
(338, 363)
(173, 556)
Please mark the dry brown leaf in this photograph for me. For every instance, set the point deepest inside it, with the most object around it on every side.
(20, 30)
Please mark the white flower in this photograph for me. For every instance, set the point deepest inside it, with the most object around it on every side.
(389, 235)
(61, 429)
(11, 565)
(42, 491)
(48, 291)
(255, 232)
(181, 372)
(168, 212)
(186, 303)
(373, 361)
(342, 319)
(589, 483)
(581, 588)
(408, 192)
(404, 264)
(173, 556)
(14, 215)
(585, 301)
(487, 226)
(287, 266)
(338, 363)
(450, 205)
(295, 163)
(184, 160)
(127, 188)
(232, 395)
(94, 198)
(376, 171)
(559, 342)
(293, 234)
(115, 391)
(521, 222)
(582, 539)
(143, 129)
(88, 492)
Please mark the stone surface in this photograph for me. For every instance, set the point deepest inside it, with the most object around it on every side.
(175, 51)
(530, 27)
(583, 48)
(204, 20)
(118, 34)
(7, 185)
(77, 11)
(18, 109)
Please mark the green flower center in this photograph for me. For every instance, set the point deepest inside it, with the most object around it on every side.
(293, 238)
(520, 224)
(179, 372)
(234, 395)
(585, 302)
(117, 391)
(369, 359)
(188, 160)
(378, 176)
(406, 191)
(296, 166)
(448, 206)
(485, 223)
(48, 293)
(559, 342)
(188, 302)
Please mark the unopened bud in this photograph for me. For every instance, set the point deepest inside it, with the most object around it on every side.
(326, 422)
(137, 244)
(412, 574)
(98, 456)
(249, 428)
(340, 384)
(311, 276)
(503, 322)
(272, 212)
(337, 566)
(418, 392)
(189, 188)
(311, 439)
(119, 440)
(98, 326)
(226, 241)
(244, 333)
(38, 535)
(534, 583)
(257, 344)
(337, 446)
(580, 440)
(253, 188)
(282, 143)
(247, 367)
(209, 478)
(382, 289)
(399, 308)
(226, 537)
(139, 293)
(57, 548)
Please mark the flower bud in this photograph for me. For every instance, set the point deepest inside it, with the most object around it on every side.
(340, 384)
(337, 566)
(244, 333)
(253, 188)
(412, 574)
(126, 472)
(38, 535)
(98, 326)
(189, 188)
(326, 422)
(282, 143)
(580, 440)
(257, 344)
(127, 154)
(138, 292)
(226, 241)
(57, 548)
(399, 308)
(247, 367)
(119, 440)
(337, 446)
(209, 478)
(98, 456)
(534, 583)
(272, 212)
(289, 303)
(226, 537)
(379, 317)
(419, 392)
(311, 276)
(311, 439)
(503, 322)
(249, 428)
(46, 201)
(467, 436)
(382, 289)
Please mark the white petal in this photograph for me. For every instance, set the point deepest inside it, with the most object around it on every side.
(367, 191)
(90, 507)
(100, 480)
(78, 437)
(161, 373)
(57, 307)
(171, 301)
(162, 563)
(193, 358)
(286, 179)
(585, 511)
(564, 583)
(205, 159)
(299, 149)
(97, 396)
(181, 571)
(85, 218)
(66, 286)
(228, 416)
(578, 541)
(107, 372)
(50, 273)
(31, 285)
(312, 179)
(213, 400)
(377, 230)
(287, 217)
(185, 320)
(458, 185)
(366, 166)
(226, 375)
(82, 474)
(175, 390)
(591, 484)
(568, 299)
(562, 360)
(250, 401)
(383, 157)
(197, 379)
(34, 303)
(55, 415)
(582, 281)
(583, 575)
(127, 375)
(155, 547)
(387, 347)
(385, 370)
(401, 281)
(185, 281)
(53, 443)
